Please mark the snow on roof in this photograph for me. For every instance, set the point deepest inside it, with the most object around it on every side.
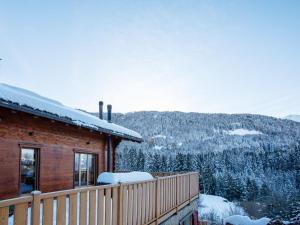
(27, 101)
(115, 178)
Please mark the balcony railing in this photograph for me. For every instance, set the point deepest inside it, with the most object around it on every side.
(138, 203)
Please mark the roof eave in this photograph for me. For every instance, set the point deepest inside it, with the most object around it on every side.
(26, 109)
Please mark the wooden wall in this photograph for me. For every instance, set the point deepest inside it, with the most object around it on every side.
(56, 142)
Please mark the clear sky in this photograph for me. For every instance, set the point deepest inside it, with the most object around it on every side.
(202, 56)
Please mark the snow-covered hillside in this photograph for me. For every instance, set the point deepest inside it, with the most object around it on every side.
(199, 132)
(216, 208)
(239, 156)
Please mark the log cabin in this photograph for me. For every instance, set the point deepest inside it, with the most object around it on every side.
(47, 146)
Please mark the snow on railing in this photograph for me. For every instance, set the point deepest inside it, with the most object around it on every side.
(120, 204)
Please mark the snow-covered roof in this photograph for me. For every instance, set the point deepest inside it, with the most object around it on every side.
(27, 101)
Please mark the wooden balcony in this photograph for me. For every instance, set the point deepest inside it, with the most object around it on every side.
(138, 203)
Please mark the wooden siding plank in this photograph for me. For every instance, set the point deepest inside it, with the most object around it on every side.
(157, 198)
(120, 206)
(35, 208)
(21, 214)
(48, 211)
(139, 205)
(143, 203)
(61, 210)
(125, 205)
(134, 214)
(100, 207)
(83, 208)
(92, 208)
(147, 202)
(154, 199)
(4, 215)
(130, 202)
(73, 209)
(115, 206)
(107, 206)
(151, 201)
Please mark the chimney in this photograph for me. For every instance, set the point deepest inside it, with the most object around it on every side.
(101, 110)
(109, 107)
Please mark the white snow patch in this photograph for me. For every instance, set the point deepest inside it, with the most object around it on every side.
(22, 97)
(179, 144)
(157, 147)
(243, 132)
(245, 220)
(159, 136)
(115, 178)
(217, 205)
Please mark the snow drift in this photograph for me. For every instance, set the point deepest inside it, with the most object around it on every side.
(115, 178)
(245, 220)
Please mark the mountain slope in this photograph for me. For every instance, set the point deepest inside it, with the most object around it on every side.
(241, 157)
(166, 132)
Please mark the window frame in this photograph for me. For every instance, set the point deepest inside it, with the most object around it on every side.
(95, 155)
(37, 149)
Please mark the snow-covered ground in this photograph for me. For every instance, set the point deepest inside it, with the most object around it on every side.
(245, 220)
(217, 208)
(243, 132)
(220, 211)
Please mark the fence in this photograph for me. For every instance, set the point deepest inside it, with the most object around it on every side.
(138, 203)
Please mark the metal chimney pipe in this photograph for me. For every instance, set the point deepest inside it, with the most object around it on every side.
(101, 110)
(109, 108)
(109, 142)
(109, 154)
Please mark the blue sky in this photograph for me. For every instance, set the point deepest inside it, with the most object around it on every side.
(202, 56)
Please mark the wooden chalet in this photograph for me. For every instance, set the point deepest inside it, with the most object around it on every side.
(47, 146)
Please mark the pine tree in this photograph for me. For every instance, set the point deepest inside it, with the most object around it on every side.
(170, 164)
(208, 180)
(264, 192)
(188, 162)
(133, 159)
(180, 162)
(251, 190)
(163, 164)
(141, 161)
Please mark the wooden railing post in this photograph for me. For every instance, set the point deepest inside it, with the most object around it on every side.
(190, 197)
(157, 201)
(120, 216)
(177, 193)
(35, 208)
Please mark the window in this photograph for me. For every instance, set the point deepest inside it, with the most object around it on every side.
(84, 169)
(29, 170)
